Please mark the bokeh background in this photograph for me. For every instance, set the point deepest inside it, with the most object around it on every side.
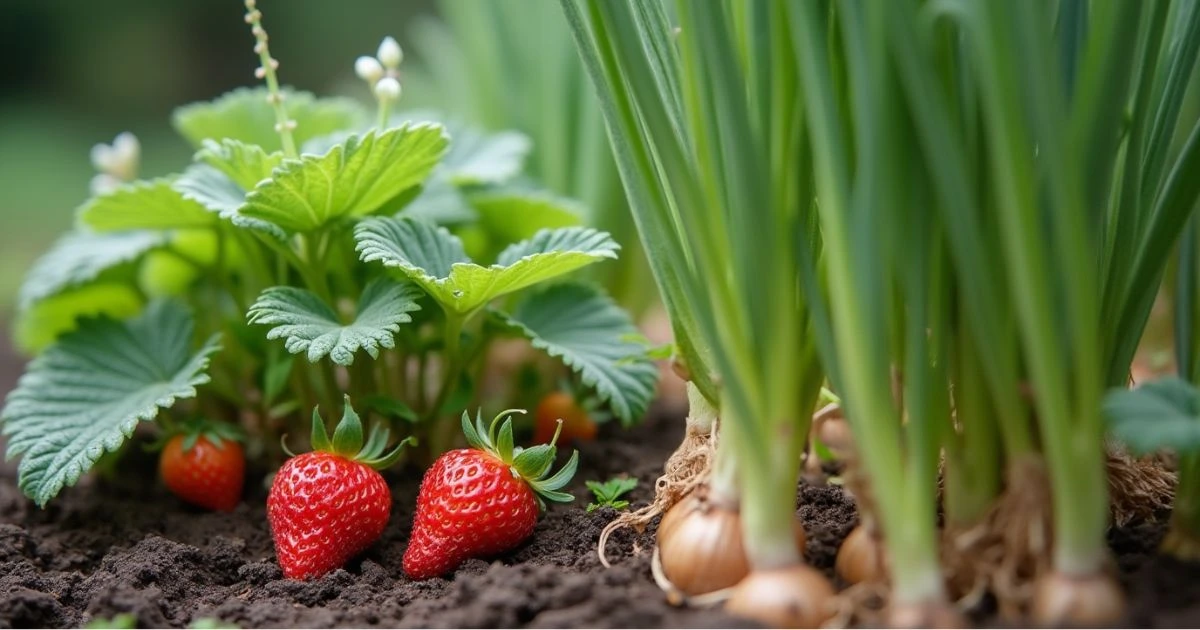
(76, 73)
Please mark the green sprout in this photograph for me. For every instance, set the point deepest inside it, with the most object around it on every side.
(608, 494)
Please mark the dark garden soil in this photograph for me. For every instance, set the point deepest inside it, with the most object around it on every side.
(105, 548)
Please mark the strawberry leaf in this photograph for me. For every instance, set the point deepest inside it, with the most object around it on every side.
(214, 190)
(144, 205)
(245, 164)
(79, 258)
(354, 178)
(434, 259)
(591, 334)
(476, 157)
(309, 325)
(1164, 414)
(513, 215)
(85, 395)
(246, 115)
(38, 326)
(440, 202)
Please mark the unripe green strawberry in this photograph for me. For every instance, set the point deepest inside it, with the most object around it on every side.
(483, 500)
(327, 506)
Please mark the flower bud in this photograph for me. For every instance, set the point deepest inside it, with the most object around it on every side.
(368, 69)
(103, 158)
(120, 159)
(104, 183)
(127, 148)
(389, 53)
(387, 89)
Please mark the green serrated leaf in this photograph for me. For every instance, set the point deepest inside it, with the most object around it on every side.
(587, 330)
(423, 251)
(353, 179)
(42, 324)
(79, 258)
(246, 164)
(309, 325)
(85, 395)
(1164, 414)
(441, 203)
(514, 215)
(245, 114)
(144, 205)
(608, 492)
(476, 157)
(218, 193)
(434, 259)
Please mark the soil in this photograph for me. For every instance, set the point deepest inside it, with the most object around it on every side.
(104, 548)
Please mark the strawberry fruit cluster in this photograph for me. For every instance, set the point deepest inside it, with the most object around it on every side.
(331, 504)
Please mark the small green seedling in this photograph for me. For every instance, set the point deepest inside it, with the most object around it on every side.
(608, 494)
(122, 621)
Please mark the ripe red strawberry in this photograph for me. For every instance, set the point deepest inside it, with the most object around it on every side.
(483, 500)
(327, 506)
(204, 465)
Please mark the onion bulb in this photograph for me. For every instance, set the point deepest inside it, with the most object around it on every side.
(860, 558)
(928, 614)
(835, 434)
(700, 545)
(796, 596)
(1077, 600)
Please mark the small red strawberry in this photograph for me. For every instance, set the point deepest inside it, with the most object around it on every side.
(204, 465)
(483, 500)
(327, 506)
(577, 424)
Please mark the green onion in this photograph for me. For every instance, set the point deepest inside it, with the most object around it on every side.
(708, 142)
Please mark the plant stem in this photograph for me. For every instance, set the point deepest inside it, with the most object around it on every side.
(385, 107)
(723, 485)
(283, 124)
(1183, 538)
(442, 433)
(768, 491)
(314, 267)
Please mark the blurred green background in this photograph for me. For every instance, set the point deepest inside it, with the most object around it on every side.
(77, 73)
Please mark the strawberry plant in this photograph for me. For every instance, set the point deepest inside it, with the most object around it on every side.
(309, 250)
(482, 500)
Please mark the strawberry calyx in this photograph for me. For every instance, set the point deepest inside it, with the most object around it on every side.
(216, 433)
(348, 440)
(531, 464)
